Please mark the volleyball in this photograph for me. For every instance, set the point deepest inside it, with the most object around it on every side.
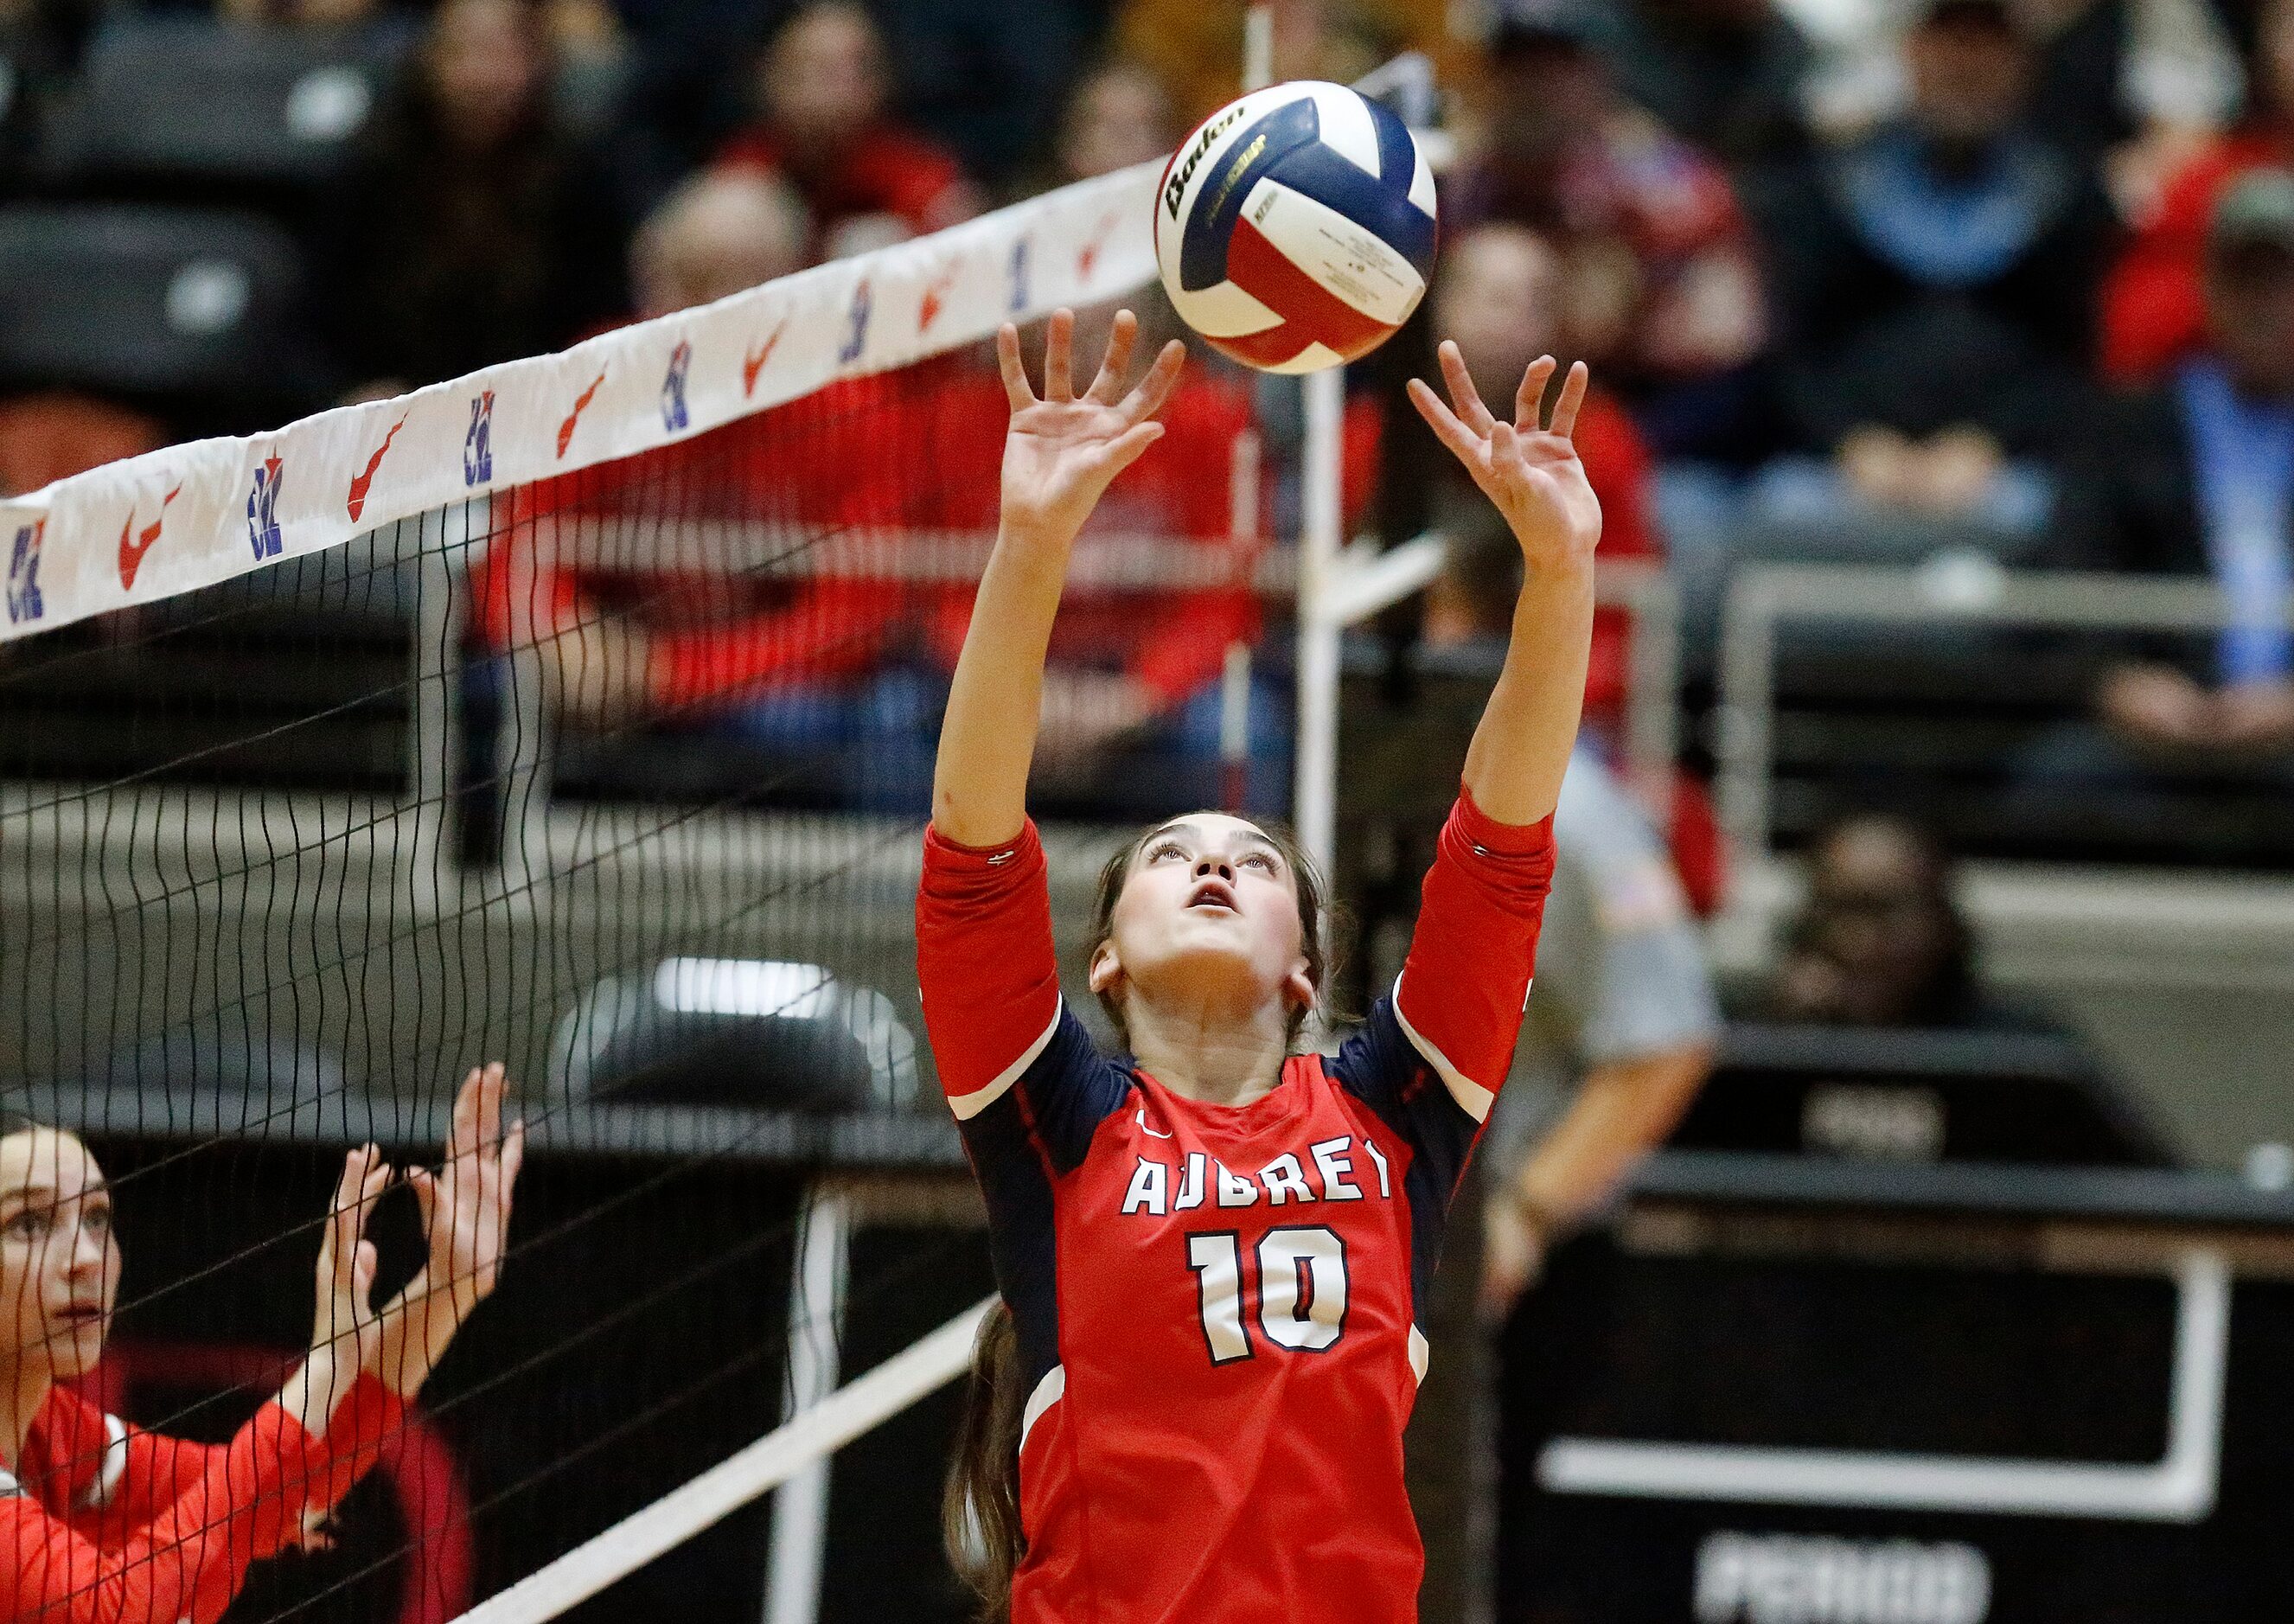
(1294, 228)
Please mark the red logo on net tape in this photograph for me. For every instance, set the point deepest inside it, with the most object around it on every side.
(574, 418)
(134, 544)
(935, 298)
(753, 362)
(361, 484)
(1088, 255)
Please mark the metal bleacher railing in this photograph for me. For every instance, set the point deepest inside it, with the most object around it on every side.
(1959, 593)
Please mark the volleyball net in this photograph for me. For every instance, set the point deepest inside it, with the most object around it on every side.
(580, 713)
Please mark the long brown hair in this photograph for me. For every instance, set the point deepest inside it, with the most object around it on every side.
(979, 1508)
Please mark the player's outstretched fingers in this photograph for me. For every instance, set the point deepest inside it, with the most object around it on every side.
(1059, 355)
(1573, 396)
(1146, 401)
(1107, 388)
(1466, 398)
(1461, 440)
(1131, 445)
(1529, 400)
(1015, 372)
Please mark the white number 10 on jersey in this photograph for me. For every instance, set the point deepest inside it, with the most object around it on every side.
(1301, 1290)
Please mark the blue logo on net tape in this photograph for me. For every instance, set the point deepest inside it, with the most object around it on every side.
(24, 600)
(479, 442)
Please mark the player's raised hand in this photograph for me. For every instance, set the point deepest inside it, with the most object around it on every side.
(1061, 449)
(466, 1208)
(346, 1334)
(1532, 472)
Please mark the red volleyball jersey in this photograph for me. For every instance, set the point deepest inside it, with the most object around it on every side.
(1217, 1307)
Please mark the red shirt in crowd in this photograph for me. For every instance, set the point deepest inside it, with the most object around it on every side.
(885, 170)
(2154, 309)
(864, 480)
(1218, 1307)
(105, 1523)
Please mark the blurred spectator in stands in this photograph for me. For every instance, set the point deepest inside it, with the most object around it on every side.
(1660, 290)
(721, 232)
(1933, 288)
(40, 45)
(2153, 305)
(1116, 114)
(1196, 49)
(2125, 86)
(1133, 693)
(1879, 940)
(827, 127)
(1499, 293)
(2195, 479)
(1726, 75)
(986, 80)
(48, 436)
(474, 231)
(303, 13)
(641, 636)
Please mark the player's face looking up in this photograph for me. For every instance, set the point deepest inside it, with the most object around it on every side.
(58, 1259)
(1211, 917)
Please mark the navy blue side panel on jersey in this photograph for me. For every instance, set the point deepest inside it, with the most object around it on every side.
(1070, 1088)
(1038, 1131)
(1379, 1067)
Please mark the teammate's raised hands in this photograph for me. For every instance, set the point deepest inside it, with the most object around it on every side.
(466, 1207)
(1532, 472)
(1064, 448)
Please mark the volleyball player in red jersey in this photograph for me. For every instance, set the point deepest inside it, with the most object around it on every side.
(105, 1523)
(1213, 1251)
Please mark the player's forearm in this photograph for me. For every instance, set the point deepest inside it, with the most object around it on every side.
(988, 738)
(1623, 1110)
(1521, 747)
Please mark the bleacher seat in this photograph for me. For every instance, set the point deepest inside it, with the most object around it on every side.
(160, 304)
(172, 100)
(737, 1032)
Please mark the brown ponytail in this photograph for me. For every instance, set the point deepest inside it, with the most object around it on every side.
(979, 1510)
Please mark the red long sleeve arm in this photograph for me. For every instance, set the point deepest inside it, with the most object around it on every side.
(188, 1561)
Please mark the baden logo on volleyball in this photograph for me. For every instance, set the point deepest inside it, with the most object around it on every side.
(1294, 230)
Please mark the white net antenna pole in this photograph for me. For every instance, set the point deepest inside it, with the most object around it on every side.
(725, 1488)
(799, 1536)
(1258, 46)
(1315, 786)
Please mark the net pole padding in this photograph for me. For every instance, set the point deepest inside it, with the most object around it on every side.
(851, 1410)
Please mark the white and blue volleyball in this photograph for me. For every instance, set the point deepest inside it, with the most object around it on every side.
(1295, 227)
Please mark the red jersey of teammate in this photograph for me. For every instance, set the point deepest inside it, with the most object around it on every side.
(1218, 1307)
(101, 1522)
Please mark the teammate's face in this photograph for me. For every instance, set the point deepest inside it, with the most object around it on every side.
(1208, 923)
(59, 1259)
